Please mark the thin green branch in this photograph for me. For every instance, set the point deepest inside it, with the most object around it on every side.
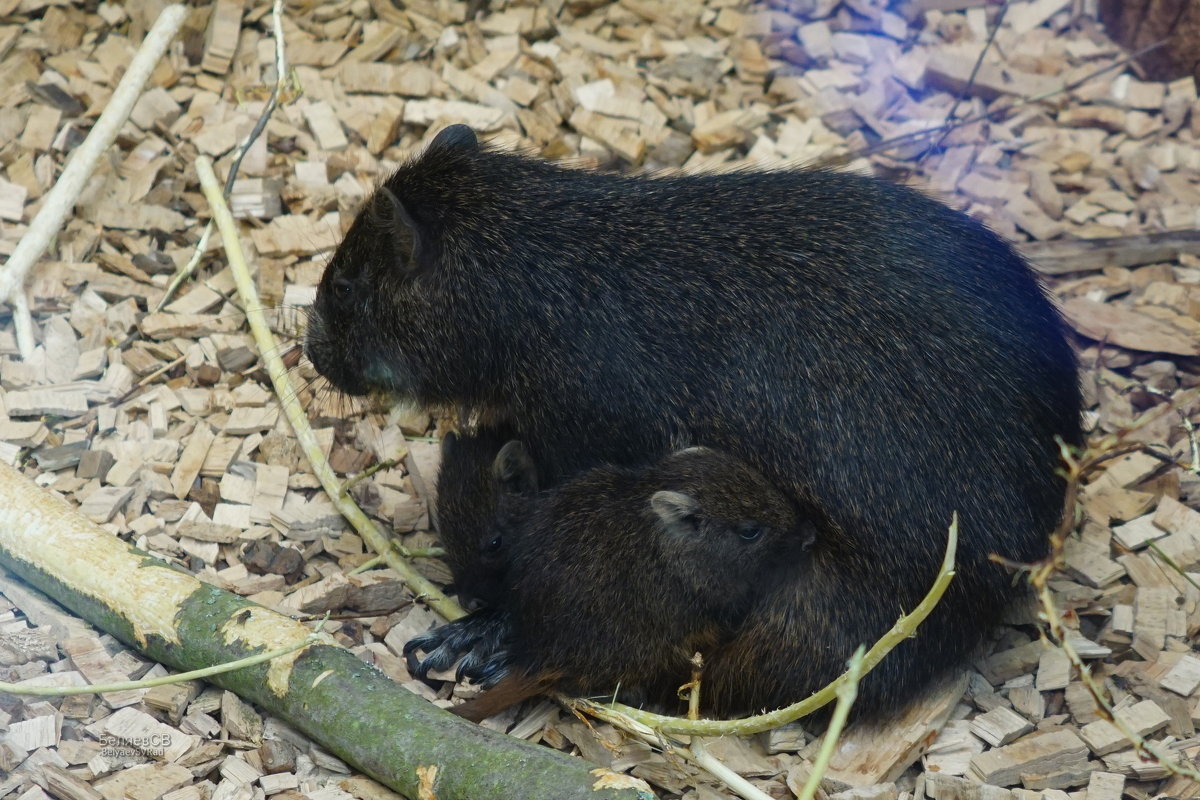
(616, 713)
(846, 693)
(149, 683)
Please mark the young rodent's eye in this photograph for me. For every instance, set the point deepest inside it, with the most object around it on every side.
(493, 546)
(749, 531)
(343, 288)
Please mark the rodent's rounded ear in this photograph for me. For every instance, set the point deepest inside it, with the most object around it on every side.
(388, 212)
(449, 442)
(676, 509)
(514, 469)
(389, 215)
(456, 136)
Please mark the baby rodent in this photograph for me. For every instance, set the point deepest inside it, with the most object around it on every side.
(476, 468)
(864, 347)
(618, 576)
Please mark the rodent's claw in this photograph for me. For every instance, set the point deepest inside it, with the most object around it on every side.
(441, 646)
(437, 660)
(495, 670)
(484, 665)
(476, 636)
(468, 667)
(429, 643)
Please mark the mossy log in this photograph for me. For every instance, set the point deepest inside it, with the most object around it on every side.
(347, 706)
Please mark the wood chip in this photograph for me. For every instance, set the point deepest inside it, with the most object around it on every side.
(426, 112)
(1036, 754)
(1184, 677)
(1000, 726)
(1103, 737)
(953, 749)
(1105, 786)
(1054, 671)
(1150, 620)
(1138, 533)
(1128, 328)
(92, 660)
(102, 504)
(221, 39)
(862, 759)
(191, 460)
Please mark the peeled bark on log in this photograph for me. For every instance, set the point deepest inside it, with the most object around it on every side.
(347, 706)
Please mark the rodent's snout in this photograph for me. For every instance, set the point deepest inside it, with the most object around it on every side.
(313, 335)
(317, 344)
(322, 351)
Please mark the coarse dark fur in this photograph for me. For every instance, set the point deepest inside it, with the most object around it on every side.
(863, 346)
(475, 468)
(618, 576)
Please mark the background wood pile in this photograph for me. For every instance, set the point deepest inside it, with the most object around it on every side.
(162, 425)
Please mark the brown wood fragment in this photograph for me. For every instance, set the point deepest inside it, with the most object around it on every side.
(192, 459)
(1060, 257)
(1150, 620)
(1105, 786)
(1126, 327)
(1000, 726)
(1184, 677)
(1103, 737)
(172, 698)
(1035, 754)
(868, 755)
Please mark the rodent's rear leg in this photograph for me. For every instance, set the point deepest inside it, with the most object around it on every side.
(480, 637)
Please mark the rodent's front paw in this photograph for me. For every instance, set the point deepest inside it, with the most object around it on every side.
(485, 665)
(494, 670)
(478, 636)
(437, 655)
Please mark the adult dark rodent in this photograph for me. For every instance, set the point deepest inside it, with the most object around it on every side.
(619, 575)
(861, 345)
(476, 467)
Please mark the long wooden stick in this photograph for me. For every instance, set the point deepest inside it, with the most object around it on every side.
(345, 705)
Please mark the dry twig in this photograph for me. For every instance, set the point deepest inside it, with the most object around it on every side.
(61, 198)
(281, 78)
(269, 350)
(1040, 574)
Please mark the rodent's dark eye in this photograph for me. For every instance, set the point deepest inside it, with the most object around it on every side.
(343, 287)
(493, 546)
(748, 531)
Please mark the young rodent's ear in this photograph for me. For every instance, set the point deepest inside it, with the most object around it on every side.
(389, 216)
(807, 534)
(455, 136)
(514, 469)
(677, 510)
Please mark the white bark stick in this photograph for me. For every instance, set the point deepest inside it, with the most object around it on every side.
(61, 198)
